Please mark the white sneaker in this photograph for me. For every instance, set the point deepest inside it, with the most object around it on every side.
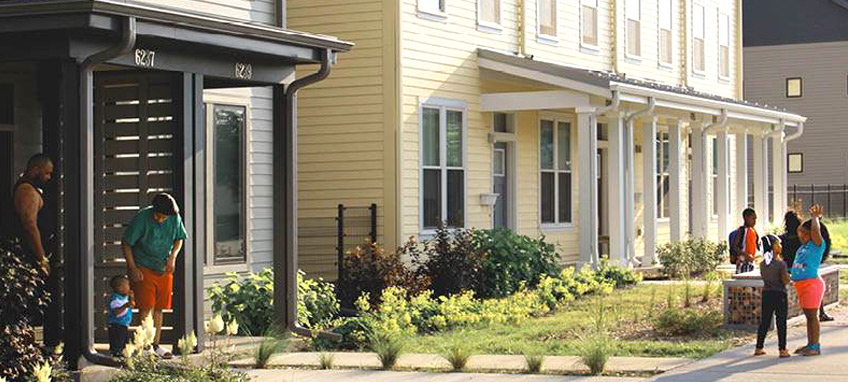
(162, 353)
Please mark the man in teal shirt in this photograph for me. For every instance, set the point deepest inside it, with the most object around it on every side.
(151, 243)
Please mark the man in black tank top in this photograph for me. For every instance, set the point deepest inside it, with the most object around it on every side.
(28, 223)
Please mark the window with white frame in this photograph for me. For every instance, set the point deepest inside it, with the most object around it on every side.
(666, 40)
(633, 10)
(547, 15)
(663, 177)
(795, 163)
(555, 168)
(723, 46)
(489, 12)
(431, 6)
(794, 87)
(698, 33)
(229, 218)
(442, 164)
(589, 22)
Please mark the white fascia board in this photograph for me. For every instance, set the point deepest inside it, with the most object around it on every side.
(553, 99)
(535, 75)
(709, 106)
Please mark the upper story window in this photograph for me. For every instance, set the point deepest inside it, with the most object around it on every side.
(547, 16)
(555, 168)
(489, 14)
(589, 23)
(432, 9)
(698, 33)
(666, 17)
(794, 87)
(723, 46)
(442, 164)
(633, 10)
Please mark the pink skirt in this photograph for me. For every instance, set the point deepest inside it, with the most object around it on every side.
(810, 292)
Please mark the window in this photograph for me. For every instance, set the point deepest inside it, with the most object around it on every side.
(489, 13)
(634, 27)
(555, 166)
(589, 23)
(503, 122)
(228, 158)
(714, 176)
(432, 6)
(663, 178)
(794, 87)
(795, 163)
(442, 164)
(698, 32)
(666, 18)
(723, 46)
(547, 18)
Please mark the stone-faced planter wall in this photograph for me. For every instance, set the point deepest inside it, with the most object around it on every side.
(743, 296)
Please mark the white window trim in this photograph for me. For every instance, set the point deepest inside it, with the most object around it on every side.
(627, 55)
(556, 118)
(660, 63)
(433, 15)
(488, 26)
(586, 47)
(210, 268)
(546, 38)
(718, 52)
(695, 71)
(659, 171)
(443, 104)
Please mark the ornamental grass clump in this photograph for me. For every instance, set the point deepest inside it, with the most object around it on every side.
(326, 360)
(274, 341)
(534, 362)
(457, 354)
(595, 347)
(388, 346)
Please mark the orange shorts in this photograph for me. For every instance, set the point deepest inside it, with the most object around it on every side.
(810, 292)
(154, 290)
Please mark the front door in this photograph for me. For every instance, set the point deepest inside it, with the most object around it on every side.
(501, 185)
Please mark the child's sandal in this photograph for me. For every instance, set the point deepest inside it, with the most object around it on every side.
(801, 349)
(812, 350)
(759, 352)
(784, 353)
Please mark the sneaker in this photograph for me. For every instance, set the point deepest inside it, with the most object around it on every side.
(825, 318)
(162, 353)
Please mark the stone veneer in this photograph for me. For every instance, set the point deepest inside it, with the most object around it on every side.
(743, 293)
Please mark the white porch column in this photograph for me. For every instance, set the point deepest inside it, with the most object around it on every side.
(675, 176)
(587, 150)
(723, 184)
(778, 163)
(649, 188)
(630, 192)
(700, 215)
(741, 175)
(761, 181)
(617, 191)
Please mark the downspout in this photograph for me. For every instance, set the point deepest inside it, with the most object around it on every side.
(797, 134)
(280, 13)
(717, 125)
(128, 38)
(291, 106)
(630, 168)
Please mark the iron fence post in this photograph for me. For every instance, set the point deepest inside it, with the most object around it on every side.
(794, 193)
(340, 240)
(373, 233)
(813, 193)
(828, 200)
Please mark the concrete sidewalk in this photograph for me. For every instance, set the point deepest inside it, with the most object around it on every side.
(738, 364)
(478, 363)
(393, 376)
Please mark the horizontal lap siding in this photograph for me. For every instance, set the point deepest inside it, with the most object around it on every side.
(825, 101)
(343, 124)
(709, 82)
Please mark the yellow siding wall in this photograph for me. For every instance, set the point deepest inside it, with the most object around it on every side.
(346, 137)
(709, 82)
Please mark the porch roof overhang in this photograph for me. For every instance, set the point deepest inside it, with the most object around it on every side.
(602, 84)
(37, 29)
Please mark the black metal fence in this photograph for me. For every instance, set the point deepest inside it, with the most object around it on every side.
(324, 240)
(833, 197)
(355, 225)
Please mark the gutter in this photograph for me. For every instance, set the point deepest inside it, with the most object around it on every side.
(327, 58)
(797, 134)
(718, 125)
(629, 170)
(128, 37)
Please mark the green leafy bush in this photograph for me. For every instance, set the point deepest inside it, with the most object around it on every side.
(621, 276)
(674, 321)
(250, 300)
(450, 261)
(691, 257)
(369, 269)
(512, 260)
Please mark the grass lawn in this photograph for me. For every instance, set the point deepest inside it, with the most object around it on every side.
(627, 313)
(839, 233)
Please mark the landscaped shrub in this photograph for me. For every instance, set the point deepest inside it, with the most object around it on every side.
(450, 261)
(691, 257)
(674, 321)
(621, 276)
(512, 260)
(250, 300)
(369, 269)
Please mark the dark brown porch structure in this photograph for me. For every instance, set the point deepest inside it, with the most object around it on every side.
(113, 92)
